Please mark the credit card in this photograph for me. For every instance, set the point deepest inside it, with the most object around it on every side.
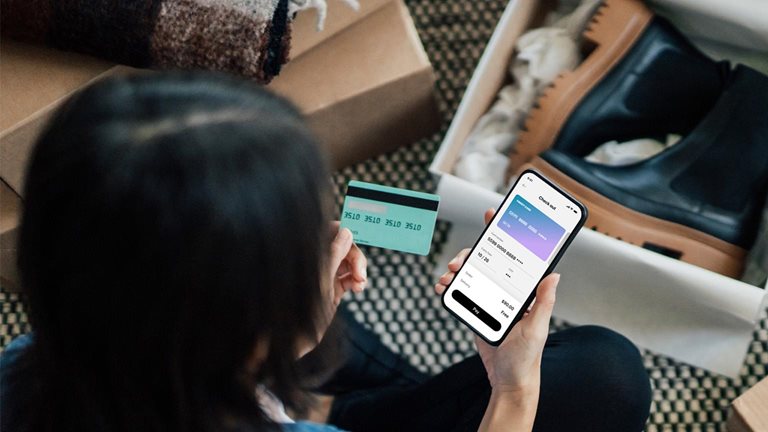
(389, 217)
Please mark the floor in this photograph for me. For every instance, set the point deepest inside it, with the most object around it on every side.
(401, 307)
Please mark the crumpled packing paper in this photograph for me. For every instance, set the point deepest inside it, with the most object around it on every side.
(543, 54)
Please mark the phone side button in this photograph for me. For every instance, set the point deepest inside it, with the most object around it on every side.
(471, 306)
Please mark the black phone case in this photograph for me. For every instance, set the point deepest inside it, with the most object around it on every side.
(551, 267)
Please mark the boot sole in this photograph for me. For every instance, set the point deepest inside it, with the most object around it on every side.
(668, 238)
(613, 30)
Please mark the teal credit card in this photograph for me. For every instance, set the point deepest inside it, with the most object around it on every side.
(389, 217)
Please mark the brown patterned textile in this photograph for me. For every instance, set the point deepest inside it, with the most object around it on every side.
(245, 37)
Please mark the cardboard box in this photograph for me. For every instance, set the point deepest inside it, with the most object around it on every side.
(749, 412)
(10, 212)
(304, 34)
(34, 81)
(668, 306)
(367, 90)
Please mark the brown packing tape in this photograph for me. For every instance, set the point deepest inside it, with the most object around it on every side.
(304, 34)
(10, 213)
(367, 90)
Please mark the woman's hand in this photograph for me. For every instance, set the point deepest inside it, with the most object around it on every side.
(514, 367)
(348, 264)
(347, 272)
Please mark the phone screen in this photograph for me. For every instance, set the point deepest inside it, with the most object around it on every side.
(524, 240)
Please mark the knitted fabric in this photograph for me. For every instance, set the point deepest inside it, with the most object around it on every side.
(114, 30)
(246, 37)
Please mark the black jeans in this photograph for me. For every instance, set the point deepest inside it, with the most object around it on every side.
(592, 379)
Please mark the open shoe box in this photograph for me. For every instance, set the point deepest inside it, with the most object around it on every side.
(357, 82)
(662, 304)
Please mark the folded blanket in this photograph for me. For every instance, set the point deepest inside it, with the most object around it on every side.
(246, 37)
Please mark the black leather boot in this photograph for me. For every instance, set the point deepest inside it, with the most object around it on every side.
(643, 79)
(700, 200)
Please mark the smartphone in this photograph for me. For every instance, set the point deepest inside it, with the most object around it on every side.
(524, 241)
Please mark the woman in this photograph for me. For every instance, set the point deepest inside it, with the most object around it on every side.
(177, 257)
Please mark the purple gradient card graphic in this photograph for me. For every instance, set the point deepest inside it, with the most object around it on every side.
(532, 228)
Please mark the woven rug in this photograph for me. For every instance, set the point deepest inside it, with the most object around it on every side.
(400, 304)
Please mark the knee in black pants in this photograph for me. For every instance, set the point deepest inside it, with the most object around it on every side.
(593, 379)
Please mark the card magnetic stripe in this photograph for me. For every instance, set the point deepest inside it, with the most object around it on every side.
(392, 198)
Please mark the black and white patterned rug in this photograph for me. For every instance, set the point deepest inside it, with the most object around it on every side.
(400, 305)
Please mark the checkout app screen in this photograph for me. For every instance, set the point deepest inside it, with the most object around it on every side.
(511, 256)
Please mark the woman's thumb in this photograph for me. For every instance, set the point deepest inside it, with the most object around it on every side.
(545, 302)
(340, 247)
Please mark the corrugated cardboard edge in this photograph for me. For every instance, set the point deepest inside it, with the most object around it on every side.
(16, 143)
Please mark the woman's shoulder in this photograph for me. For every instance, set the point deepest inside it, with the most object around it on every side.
(11, 356)
(14, 349)
(14, 383)
(309, 427)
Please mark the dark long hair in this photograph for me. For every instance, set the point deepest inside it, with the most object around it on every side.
(173, 225)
